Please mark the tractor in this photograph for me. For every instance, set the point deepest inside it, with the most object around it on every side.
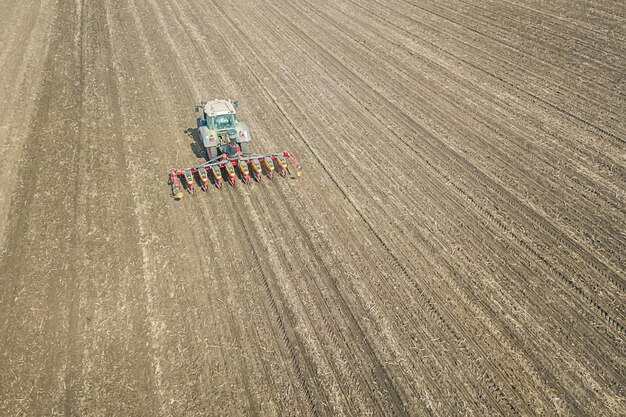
(226, 142)
(217, 123)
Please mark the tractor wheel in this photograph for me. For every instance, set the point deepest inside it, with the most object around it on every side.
(243, 146)
(211, 152)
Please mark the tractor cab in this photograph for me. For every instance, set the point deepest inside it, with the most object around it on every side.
(219, 129)
(219, 115)
(221, 122)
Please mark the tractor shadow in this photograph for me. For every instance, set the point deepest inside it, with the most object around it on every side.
(196, 146)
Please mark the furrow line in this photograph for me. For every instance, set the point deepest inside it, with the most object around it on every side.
(437, 147)
(399, 265)
(489, 145)
(602, 132)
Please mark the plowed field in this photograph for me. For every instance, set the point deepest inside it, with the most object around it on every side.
(456, 244)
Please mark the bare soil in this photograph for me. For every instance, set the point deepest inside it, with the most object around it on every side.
(456, 245)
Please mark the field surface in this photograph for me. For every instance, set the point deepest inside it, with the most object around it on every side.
(455, 246)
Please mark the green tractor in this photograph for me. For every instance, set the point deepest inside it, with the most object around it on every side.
(226, 142)
(217, 124)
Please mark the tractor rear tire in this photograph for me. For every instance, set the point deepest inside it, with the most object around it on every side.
(243, 146)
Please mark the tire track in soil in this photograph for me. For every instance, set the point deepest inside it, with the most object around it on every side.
(222, 79)
(74, 358)
(600, 131)
(619, 287)
(55, 118)
(232, 320)
(278, 333)
(441, 149)
(388, 383)
(299, 372)
(103, 163)
(444, 50)
(495, 389)
(563, 33)
(186, 387)
(336, 316)
(486, 144)
(23, 62)
(284, 321)
(168, 334)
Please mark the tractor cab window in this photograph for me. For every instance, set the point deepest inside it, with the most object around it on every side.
(224, 121)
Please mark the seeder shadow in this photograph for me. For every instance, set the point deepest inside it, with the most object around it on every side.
(196, 146)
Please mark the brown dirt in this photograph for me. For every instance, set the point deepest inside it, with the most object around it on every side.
(456, 244)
